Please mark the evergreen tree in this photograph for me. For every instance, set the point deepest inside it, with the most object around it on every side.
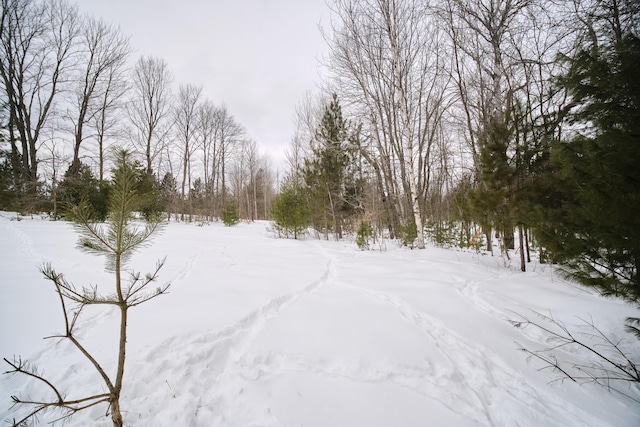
(328, 173)
(148, 202)
(116, 240)
(230, 215)
(289, 209)
(7, 193)
(595, 226)
(489, 200)
(365, 232)
(197, 194)
(79, 186)
(168, 193)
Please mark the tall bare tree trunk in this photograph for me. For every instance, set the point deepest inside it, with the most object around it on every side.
(149, 108)
(523, 266)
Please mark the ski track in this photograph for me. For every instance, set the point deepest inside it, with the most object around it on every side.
(477, 371)
(184, 272)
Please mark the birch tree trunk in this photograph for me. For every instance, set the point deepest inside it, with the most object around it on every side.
(386, 58)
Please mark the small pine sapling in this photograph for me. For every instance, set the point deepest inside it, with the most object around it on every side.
(409, 234)
(230, 215)
(116, 240)
(365, 232)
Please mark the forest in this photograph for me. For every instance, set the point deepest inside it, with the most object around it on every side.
(462, 123)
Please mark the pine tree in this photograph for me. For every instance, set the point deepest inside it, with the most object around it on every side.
(289, 209)
(116, 240)
(149, 201)
(229, 214)
(595, 228)
(489, 201)
(328, 174)
(7, 195)
(79, 186)
(168, 193)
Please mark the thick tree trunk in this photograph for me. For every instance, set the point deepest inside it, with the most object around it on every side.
(508, 238)
(487, 234)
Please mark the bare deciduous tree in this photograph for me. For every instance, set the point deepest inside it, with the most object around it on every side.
(230, 135)
(208, 142)
(388, 60)
(108, 122)
(37, 42)
(603, 360)
(250, 179)
(185, 122)
(103, 51)
(307, 114)
(149, 107)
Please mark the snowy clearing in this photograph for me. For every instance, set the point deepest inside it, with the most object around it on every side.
(258, 331)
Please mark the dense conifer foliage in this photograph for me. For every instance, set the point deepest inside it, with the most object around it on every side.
(290, 208)
(595, 228)
(230, 214)
(328, 172)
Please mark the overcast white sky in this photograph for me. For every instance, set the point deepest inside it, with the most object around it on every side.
(257, 56)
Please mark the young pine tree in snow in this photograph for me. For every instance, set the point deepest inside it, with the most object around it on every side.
(289, 209)
(329, 173)
(116, 240)
(229, 214)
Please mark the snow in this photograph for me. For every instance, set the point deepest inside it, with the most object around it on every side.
(259, 331)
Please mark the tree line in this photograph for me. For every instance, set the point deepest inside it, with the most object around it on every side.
(465, 121)
(70, 96)
(461, 122)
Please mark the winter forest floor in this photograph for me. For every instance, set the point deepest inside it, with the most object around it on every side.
(260, 331)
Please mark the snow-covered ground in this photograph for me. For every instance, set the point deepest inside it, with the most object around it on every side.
(259, 331)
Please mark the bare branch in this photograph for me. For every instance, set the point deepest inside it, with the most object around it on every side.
(602, 368)
(131, 294)
(22, 367)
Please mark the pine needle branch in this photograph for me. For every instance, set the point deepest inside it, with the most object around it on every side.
(133, 294)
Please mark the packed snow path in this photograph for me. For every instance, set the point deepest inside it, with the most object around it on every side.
(258, 331)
